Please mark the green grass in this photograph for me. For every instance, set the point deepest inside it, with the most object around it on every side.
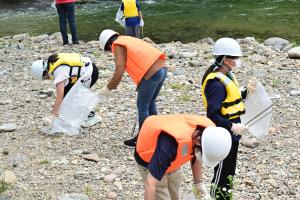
(45, 162)
(3, 186)
(276, 83)
(88, 190)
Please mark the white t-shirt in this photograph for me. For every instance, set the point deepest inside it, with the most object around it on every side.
(62, 73)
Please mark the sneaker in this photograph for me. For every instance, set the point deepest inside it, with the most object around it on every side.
(91, 121)
(75, 42)
(131, 143)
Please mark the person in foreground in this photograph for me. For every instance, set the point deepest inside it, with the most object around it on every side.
(166, 142)
(145, 65)
(223, 101)
(65, 69)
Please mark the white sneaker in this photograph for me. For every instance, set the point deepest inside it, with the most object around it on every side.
(91, 121)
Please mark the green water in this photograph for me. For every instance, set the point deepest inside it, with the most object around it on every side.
(187, 20)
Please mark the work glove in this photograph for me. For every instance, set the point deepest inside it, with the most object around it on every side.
(252, 85)
(239, 129)
(104, 92)
(201, 190)
(47, 120)
(142, 23)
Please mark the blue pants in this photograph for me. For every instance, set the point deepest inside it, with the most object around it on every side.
(148, 90)
(66, 11)
(133, 31)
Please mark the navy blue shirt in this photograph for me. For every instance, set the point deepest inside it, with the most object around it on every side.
(215, 93)
(133, 21)
(165, 153)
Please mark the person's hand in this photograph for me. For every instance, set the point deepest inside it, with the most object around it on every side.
(252, 85)
(142, 23)
(239, 129)
(105, 92)
(201, 189)
(47, 120)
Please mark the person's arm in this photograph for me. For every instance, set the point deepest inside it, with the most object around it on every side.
(165, 153)
(139, 10)
(215, 93)
(120, 55)
(197, 171)
(60, 88)
(150, 187)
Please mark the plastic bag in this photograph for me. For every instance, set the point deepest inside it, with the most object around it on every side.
(120, 17)
(75, 108)
(258, 112)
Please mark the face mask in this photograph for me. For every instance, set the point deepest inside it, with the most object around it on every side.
(198, 154)
(238, 63)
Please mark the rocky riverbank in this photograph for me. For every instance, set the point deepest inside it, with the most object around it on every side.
(96, 165)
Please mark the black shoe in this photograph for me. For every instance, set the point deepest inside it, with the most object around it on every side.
(130, 143)
(65, 43)
(76, 42)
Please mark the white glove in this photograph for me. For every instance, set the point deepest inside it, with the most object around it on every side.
(201, 189)
(252, 85)
(48, 120)
(239, 129)
(105, 92)
(142, 23)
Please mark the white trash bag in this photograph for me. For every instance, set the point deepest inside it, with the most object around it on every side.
(120, 17)
(75, 108)
(258, 112)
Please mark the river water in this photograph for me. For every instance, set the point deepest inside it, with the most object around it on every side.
(165, 21)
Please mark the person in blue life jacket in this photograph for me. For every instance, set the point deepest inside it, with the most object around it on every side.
(133, 17)
(223, 101)
(65, 69)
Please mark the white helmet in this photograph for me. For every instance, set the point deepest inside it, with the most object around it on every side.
(227, 47)
(216, 144)
(105, 36)
(37, 69)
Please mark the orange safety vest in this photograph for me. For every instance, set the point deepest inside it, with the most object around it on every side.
(140, 56)
(181, 127)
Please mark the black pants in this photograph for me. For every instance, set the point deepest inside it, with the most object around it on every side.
(94, 77)
(224, 173)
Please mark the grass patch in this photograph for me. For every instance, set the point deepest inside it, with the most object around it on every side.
(45, 162)
(3, 186)
(276, 83)
(88, 190)
(185, 97)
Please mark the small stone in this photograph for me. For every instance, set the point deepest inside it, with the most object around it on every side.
(8, 127)
(18, 159)
(109, 178)
(250, 142)
(188, 55)
(295, 92)
(111, 195)
(8, 177)
(49, 93)
(5, 151)
(91, 157)
(74, 196)
(118, 171)
(43, 96)
(80, 175)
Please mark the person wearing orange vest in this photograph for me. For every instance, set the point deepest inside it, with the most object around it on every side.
(166, 142)
(66, 11)
(144, 64)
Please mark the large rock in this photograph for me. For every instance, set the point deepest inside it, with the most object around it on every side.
(294, 53)
(8, 177)
(276, 42)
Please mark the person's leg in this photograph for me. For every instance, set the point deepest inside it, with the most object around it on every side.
(62, 14)
(146, 91)
(174, 183)
(129, 30)
(136, 31)
(162, 73)
(224, 173)
(162, 192)
(70, 7)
